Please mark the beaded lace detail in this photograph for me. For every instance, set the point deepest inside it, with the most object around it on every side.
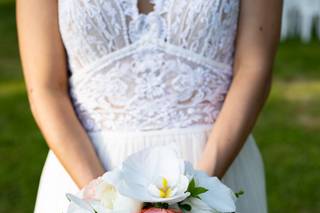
(170, 68)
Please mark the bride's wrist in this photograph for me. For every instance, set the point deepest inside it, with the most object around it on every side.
(208, 160)
(205, 167)
(92, 175)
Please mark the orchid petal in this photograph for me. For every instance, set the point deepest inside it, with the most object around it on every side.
(218, 196)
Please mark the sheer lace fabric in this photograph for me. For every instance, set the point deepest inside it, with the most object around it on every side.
(169, 68)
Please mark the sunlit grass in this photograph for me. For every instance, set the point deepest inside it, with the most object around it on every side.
(288, 135)
(12, 88)
(299, 90)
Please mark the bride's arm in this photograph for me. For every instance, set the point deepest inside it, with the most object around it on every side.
(45, 73)
(256, 44)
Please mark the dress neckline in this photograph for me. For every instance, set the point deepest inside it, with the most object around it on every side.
(153, 24)
(150, 4)
(131, 9)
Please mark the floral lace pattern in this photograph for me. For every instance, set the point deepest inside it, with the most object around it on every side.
(170, 68)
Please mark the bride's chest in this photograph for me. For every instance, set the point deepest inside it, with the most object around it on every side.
(104, 26)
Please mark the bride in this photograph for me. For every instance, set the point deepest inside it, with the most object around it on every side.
(106, 78)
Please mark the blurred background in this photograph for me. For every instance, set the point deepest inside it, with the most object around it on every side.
(287, 132)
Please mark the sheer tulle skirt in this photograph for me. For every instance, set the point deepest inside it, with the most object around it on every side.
(246, 172)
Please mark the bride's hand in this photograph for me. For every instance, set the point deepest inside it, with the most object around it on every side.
(89, 190)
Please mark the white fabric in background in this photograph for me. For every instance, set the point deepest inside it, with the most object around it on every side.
(299, 18)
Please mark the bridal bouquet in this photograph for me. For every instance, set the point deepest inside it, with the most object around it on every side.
(154, 180)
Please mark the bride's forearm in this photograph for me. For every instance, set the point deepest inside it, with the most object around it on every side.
(64, 134)
(257, 39)
(44, 63)
(245, 99)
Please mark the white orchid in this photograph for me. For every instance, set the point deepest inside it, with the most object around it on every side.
(78, 205)
(198, 206)
(219, 197)
(101, 196)
(155, 175)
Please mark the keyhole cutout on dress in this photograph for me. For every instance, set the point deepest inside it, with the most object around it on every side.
(145, 7)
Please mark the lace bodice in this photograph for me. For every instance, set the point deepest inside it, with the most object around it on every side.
(170, 68)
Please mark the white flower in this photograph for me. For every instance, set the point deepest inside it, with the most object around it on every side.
(78, 205)
(155, 174)
(198, 206)
(218, 197)
(101, 196)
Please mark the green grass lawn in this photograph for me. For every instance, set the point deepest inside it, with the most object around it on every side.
(287, 132)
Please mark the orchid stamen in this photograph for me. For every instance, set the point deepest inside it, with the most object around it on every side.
(165, 190)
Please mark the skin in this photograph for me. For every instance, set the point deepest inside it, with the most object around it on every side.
(256, 44)
(45, 71)
(145, 7)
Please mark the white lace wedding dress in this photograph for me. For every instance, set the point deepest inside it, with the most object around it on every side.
(139, 80)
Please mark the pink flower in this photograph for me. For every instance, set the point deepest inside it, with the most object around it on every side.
(157, 210)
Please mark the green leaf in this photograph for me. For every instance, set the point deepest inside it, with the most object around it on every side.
(238, 194)
(199, 190)
(194, 190)
(191, 185)
(185, 207)
(161, 205)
